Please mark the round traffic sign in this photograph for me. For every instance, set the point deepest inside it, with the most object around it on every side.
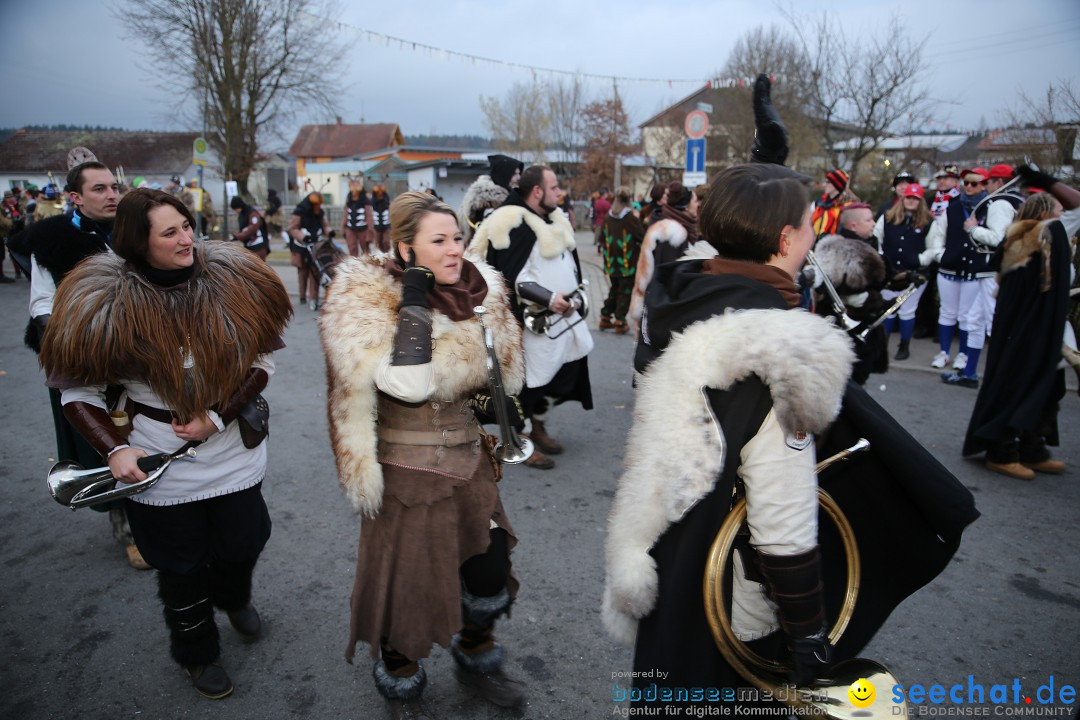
(697, 124)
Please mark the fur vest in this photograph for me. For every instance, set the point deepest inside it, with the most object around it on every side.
(482, 197)
(358, 326)
(852, 264)
(553, 238)
(1023, 240)
(667, 235)
(58, 246)
(675, 451)
(193, 344)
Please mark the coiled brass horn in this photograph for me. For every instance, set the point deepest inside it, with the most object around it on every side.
(73, 487)
(827, 695)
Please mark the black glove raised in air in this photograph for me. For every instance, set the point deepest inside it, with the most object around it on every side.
(770, 135)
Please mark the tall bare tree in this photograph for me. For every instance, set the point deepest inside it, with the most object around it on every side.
(248, 65)
(566, 98)
(862, 86)
(521, 120)
(776, 53)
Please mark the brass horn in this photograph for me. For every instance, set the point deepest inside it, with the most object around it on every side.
(511, 448)
(73, 487)
(825, 695)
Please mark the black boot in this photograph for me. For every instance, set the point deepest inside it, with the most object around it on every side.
(193, 635)
(230, 590)
(902, 352)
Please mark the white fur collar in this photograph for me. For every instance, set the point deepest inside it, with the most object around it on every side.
(553, 239)
(675, 453)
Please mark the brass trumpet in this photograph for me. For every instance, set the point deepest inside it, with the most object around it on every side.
(512, 448)
(541, 320)
(827, 695)
(73, 487)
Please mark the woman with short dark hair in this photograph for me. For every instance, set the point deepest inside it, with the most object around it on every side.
(186, 331)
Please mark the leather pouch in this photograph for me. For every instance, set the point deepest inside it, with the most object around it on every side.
(254, 422)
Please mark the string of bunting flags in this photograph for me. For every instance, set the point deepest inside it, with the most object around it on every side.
(378, 38)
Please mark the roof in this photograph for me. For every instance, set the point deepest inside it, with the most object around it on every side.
(137, 151)
(344, 140)
(1018, 137)
(943, 143)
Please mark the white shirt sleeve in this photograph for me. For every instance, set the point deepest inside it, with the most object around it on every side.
(879, 233)
(998, 219)
(410, 383)
(781, 490)
(935, 241)
(42, 289)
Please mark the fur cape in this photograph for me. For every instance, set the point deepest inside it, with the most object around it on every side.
(358, 326)
(662, 231)
(1022, 240)
(853, 265)
(553, 238)
(110, 324)
(483, 195)
(676, 452)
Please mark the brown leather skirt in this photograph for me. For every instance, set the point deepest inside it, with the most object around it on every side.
(408, 588)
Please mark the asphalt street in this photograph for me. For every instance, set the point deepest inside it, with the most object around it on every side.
(81, 633)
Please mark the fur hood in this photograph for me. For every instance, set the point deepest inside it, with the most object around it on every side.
(358, 325)
(676, 452)
(1024, 239)
(853, 265)
(553, 238)
(481, 197)
(111, 324)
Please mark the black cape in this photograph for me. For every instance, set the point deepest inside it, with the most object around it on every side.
(906, 509)
(1021, 384)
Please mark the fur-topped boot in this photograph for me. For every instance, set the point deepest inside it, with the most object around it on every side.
(401, 681)
(479, 659)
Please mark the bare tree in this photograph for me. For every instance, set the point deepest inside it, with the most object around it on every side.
(607, 136)
(519, 121)
(873, 85)
(249, 66)
(771, 51)
(1044, 129)
(566, 98)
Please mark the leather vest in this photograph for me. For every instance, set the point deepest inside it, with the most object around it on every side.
(441, 436)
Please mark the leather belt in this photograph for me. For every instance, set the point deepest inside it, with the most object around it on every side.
(448, 438)
(159, 414)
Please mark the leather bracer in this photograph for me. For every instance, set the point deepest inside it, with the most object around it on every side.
(412, 344)
(253, 384)
(535, 293)
(794, 583)
(94, 424)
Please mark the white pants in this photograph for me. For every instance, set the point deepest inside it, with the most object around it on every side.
(962, 300)
(907, 310)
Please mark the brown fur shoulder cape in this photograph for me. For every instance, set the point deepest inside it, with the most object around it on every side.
(110, 324)
(358, 326)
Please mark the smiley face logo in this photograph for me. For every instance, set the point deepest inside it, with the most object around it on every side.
(862, 693)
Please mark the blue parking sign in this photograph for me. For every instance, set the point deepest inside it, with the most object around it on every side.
(695, 155)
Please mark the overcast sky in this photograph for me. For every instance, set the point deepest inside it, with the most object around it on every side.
(69, 61)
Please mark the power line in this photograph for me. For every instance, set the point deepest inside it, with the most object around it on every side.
(377, 38)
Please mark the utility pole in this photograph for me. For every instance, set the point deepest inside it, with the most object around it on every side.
(614, 141)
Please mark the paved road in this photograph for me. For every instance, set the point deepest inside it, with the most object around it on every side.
(82, 635)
